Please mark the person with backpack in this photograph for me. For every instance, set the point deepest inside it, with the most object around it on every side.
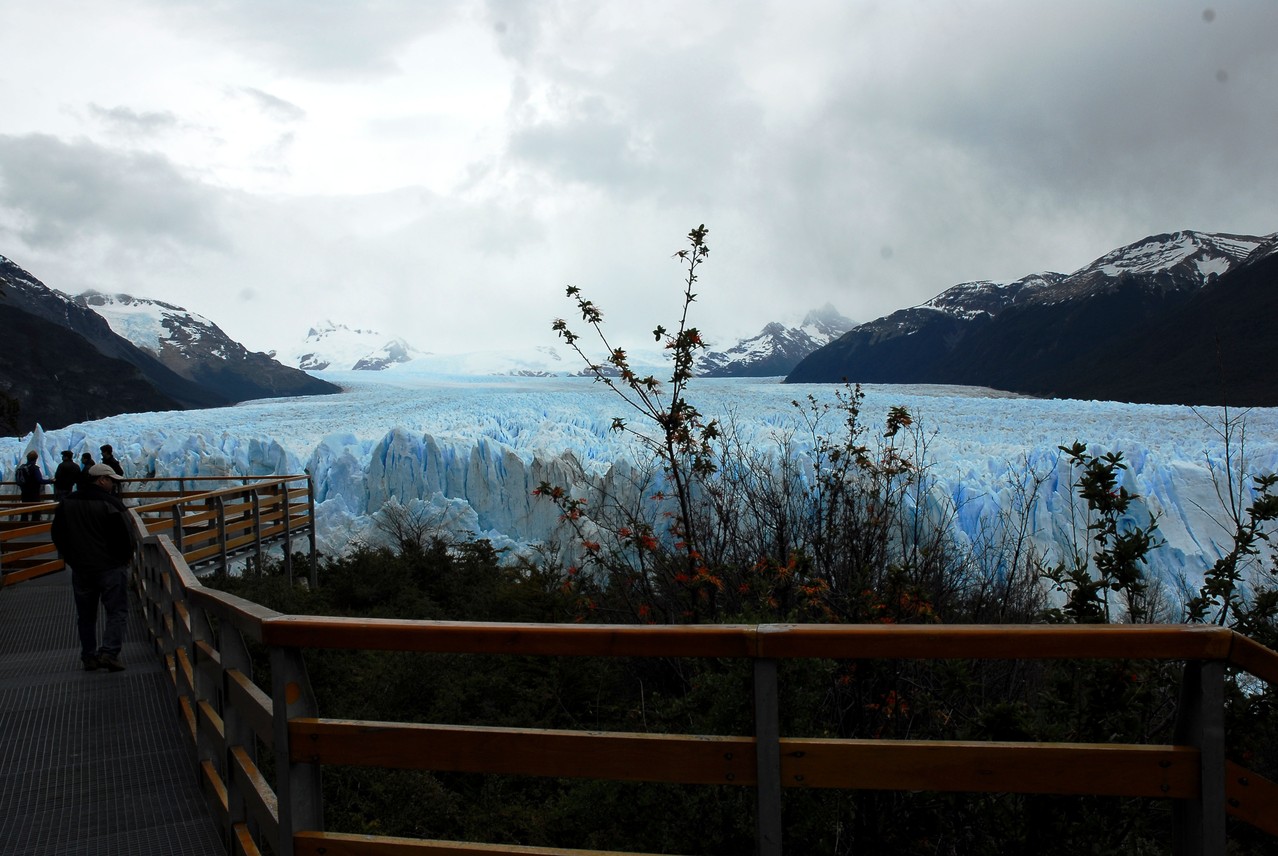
(31, 482)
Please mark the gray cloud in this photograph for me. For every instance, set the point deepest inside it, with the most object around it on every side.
(974, 139)
(71, 191)
(275, 107)
(323, 40)
(125, 121)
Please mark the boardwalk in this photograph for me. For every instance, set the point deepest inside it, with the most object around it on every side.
(90, 762)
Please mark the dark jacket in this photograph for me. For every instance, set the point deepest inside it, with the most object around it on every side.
(30, 479)
(66, 477)
(91, 531)
(111, 462)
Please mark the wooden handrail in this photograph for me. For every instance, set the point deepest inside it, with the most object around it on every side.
(239, 714)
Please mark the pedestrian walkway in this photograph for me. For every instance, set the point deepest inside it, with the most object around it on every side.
(90, 762)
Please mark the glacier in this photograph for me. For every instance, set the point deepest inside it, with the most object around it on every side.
(468, 451)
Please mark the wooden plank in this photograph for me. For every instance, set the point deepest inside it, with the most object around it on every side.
(1254, 658)
(1251, 798)
(207, 657)
(247, 616)
(188, 716)
(1001, 642)
(261, 801)
(214, 719)
(243, 842)
(216, 784)
(186, 674)
(630, 757)
(15, 577)
(252, 703)
(30, 552)
(596, 640)
(1028, 768)
(341, 844)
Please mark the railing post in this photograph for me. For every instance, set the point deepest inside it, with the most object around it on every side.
(221, 531)
(297, 784)
(237, 729)
(176, 511)
(310, 519)
(767, 748)
(257, 527)
(1199, 825)
(205, 689)
(288, 530)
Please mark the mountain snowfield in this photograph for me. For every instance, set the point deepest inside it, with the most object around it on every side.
(151, 324)
(469, 450)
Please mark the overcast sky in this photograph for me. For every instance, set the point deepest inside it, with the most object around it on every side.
(440, 171)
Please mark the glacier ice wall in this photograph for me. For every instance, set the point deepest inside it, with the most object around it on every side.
(468, 452)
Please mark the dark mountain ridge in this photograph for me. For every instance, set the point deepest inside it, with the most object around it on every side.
(61, 363)
(1112, 330)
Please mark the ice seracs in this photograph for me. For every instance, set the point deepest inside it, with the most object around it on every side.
(469, 452)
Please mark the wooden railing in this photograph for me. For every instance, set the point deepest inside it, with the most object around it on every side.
(210, 521)
(202, 634)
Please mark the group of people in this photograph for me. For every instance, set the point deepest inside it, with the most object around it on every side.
(66, 478)
(91, 531)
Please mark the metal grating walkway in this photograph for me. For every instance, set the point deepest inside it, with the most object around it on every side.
(90, 762)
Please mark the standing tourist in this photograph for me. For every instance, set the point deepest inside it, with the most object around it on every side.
(108, 458)
(86, 461)
(92, 534)
(65, 476)
(31, 482)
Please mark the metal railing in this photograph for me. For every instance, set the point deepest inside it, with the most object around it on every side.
(202, 634)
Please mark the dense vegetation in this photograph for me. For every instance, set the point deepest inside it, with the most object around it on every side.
(718, 531)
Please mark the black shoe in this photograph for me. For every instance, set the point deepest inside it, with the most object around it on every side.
(110, 662)
(91, 663)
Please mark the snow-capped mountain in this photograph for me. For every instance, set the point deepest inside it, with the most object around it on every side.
(777, 349)
(338, 347)
(198, 350)
(1060, 335)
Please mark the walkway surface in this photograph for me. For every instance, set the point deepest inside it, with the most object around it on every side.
(90, 762)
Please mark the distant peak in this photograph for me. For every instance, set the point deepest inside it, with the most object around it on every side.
(827, 315)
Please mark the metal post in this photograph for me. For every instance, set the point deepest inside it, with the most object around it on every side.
(177, 526)
(221, 531)
(767, 747)
(237, 728)
(310, 517)
(288, 532)
(257, 528)
(297, 784)
(1199, 825)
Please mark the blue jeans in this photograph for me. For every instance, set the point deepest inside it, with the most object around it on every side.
(110, 588)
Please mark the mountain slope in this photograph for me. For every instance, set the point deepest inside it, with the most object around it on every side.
(336, 346)
(1085, 335)
(62, 363)
(777, 349)
(197, 349)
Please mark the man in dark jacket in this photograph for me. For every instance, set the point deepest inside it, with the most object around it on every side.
(65, 476)
(91, 532)
(108, 458)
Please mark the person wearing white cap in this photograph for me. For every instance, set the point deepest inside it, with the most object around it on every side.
(91, 532)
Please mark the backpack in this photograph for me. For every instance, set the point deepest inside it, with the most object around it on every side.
(23, 475)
